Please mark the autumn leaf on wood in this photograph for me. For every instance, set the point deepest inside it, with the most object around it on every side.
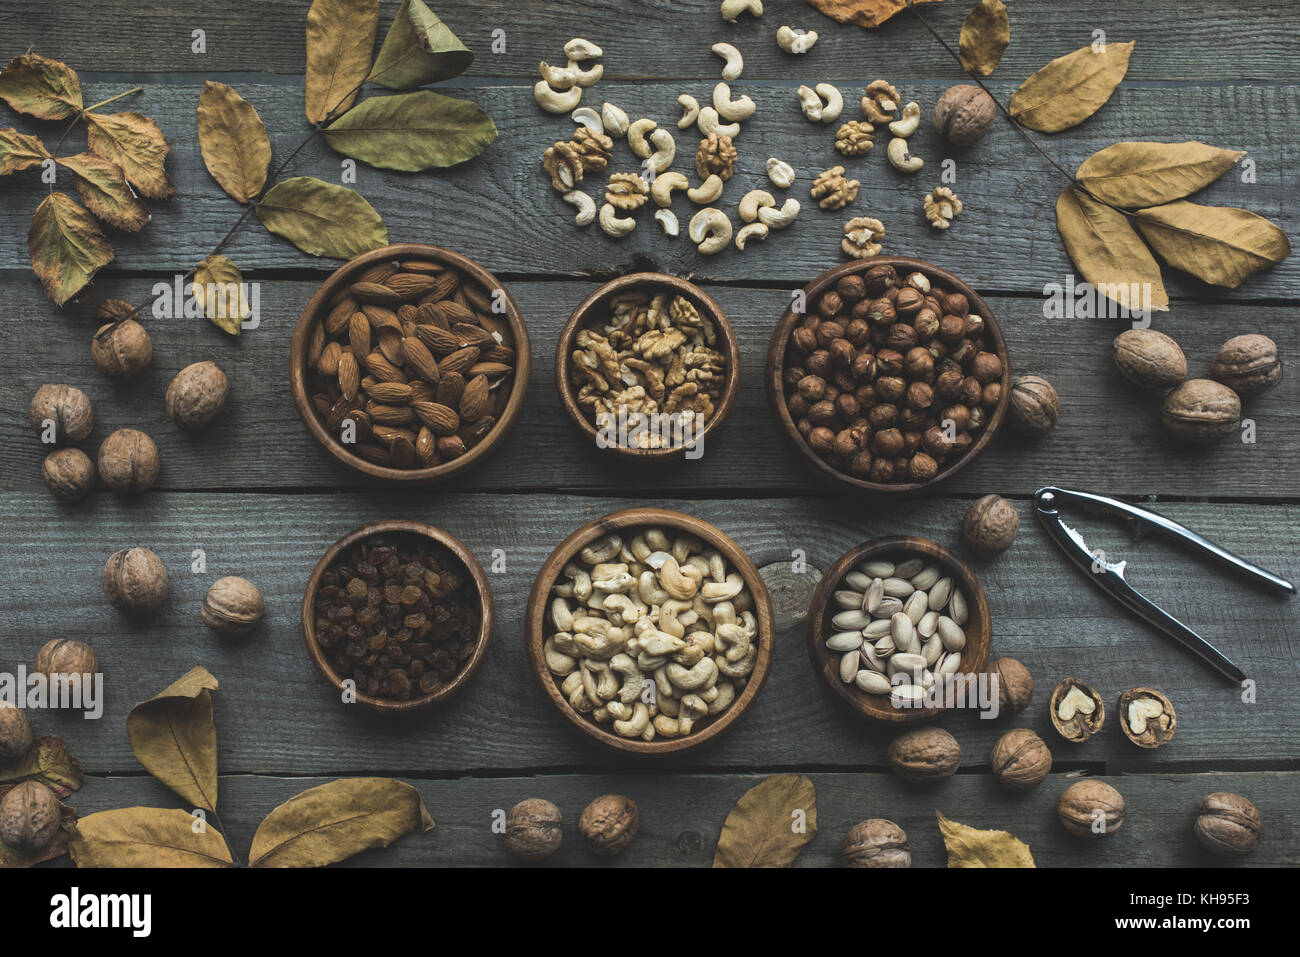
(1220, 245)
(1108, 252)
(105, 192)
(322, 219)
(66, 246)
(234, 142)
(770, 824)
(219, 290)
(970, 847)
(40, 87)
(48, 761)
(19, 151)
(1133, 175)
(865, 13)
(135, 143)
(148, 837)
(419, 49)
(173, 736)
(1071, 88)
(412, 131)
(340, 42)
(985, 34)
(334, 821)
(11, 857)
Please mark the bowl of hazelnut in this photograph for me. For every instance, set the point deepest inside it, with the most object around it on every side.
(894, 377)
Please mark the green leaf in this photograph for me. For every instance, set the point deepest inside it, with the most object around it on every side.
(332, 822)
(104, 190)
(1221, 245)
(340, 42)
(39, 87)
(67, 247)
(770, 824)
(322, 219)
(418, 49)
(173, 736)
(148, 837)
(218, 288)
(1133, 175)
(49, 762)
(412, 131)
(19, 151)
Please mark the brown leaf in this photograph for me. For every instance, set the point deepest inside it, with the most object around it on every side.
(148, 837)
(985, 33)
(1133, 175)
(19, 151)
(135, 143)
(970, 847)
(1071, 88)
(39, 87)
(764, 828)
(322, 219)
(105, 192)
(49, 762)
(340, 42)
(332, 822)
(1220, 245)
(419, 49)
(67, 247)
(865, 13)
(1108, 252)
(234, 142)
(173, 736)
(218, 288)
(13, 857)
(412, 131)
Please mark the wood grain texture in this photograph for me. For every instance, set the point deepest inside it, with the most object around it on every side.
(682, 815)
(277, 715)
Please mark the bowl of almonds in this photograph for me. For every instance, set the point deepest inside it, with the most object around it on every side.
(889, 374)
(410, 363)
(899, 629)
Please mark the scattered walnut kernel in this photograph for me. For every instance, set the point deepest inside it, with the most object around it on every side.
(880, 102)
(855, 138)
(861, 237)
(941, 207)
(833, 190)
(717, 155)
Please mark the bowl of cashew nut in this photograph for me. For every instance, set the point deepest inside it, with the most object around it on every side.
(647, 367)
(650, 630)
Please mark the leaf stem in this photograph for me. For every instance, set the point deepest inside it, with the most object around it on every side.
(111, 99)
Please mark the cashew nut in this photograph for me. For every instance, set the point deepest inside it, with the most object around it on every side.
(601, 550)
(690, 111)
(795, 41)
(586, 116)
(586, 206)
(636, 725)
(782, 217)
(557, 662)
(707, 191)
(665, 150)
(726, 695)
(780, 173)
(901, 159)
(633, 680)
(668, 220)
(823, 104)
(624, 608)
(699, 644)
(735, 62)
(636, 134)
(702, 675)
(732, 9)
(751, 201)
(556, 101)
(736, 110)
(724, 591)
(564, 644)
(752, 231)
(681, 586)
(585, 78)
(684, 545)
(668, 617)
(649, 590)
(561, 614)
(810, 103)
(572, 689)
(580, 581)
(598, 681)
(709, 123)
(614, 224)
(559, 77)
(907, 123)
(580, 49)
(657, 643)
(710, 230)
(614, 119)
(662, 188)
(667, 727)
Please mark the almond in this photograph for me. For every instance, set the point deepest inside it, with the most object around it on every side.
(420, 360)
(440, 419)
(382, 369)
(429, 313)
(349, 375)
(422, 266)
(474, 400)
(373, 292)
(501, 354)
(338, 316)
(493, 369)
(359, 334)
(403, 452)
(396, 393)
(380, 316)
(316, 344)
(423, 391)
(378, 272)
(390, 344)
(451, 447)
(477, 431)
(478, 296)
(388, 434)
(460, 360)
(426, 449)
(457, 312)
(410, 285)
(439, 340)
(472, 335)
(328, 364)
(381, 414)
(450, 386)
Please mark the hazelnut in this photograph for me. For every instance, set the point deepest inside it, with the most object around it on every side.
(805, 340)
(922, 467)
(1146, 717)
(1015, 685)
(924, 755)
(851, 288)
(1248, 365)
(1150, 360)
(61, 415)
(197, 395)
(128, 462)
(233, 606)
(990, 526)
(829, 305)
(1035, 406)
(936, 442)
(822, 440)
(135, 581)
(948, 383)
(986, 367)
(909, 301)
(69, 474)
(533, 829)
(609, 823)
(1091, 808)
(1077, 710)
(920, 395)
(1201, 411)
(1228, 824)
(992, 395)
(888, 442)
(122, 349)
(15, 732)
(65, 657)
(956, 304)
(964, 114)
(812, 387)
(880, 278)
(1021, 760)
(876, 843)
(952, 328)
(958, 415)
(891, 388)
(29, 817)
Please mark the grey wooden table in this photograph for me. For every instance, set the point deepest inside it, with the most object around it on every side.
(263, 500)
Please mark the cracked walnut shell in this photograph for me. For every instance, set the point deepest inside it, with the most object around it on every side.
(1147, 717)
(833, 190)
(855, 138)
(1077, 710)
(627, 191)
(941, 207)
(717, 156)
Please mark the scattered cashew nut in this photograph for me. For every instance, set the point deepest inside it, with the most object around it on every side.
(795, 41)
(662, 188)
(690, 111)
(732, 9)
(752, 201)
(585, 78)
(586, 116)
(746, 233)
(735, 110)
(782, 217)
(580, 49)
(907, 123)
(613, 224)
(664, 152)
(556, 101)
(707, 191)
(709, 122)
(821, 105)
(636, 137)
(614, 119)
(710, 230)
(780, 173)
(668, 220)
(559, 77)
(735, 62)
(901, 159)
(585, 205)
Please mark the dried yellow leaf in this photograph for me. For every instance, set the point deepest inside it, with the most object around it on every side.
(148, 837)
(174, 737)
(985, 34)
(1109, 253)
(234, 142)
(1220, 245)
(19, 151)
(322, 219)
(40, 87)
(135, 143)
(770, 824)
(971, 847)
(219, 290)
(1134, 175)
(104, 190)
(1071, 88)
(865, 13)
(340, 43)
(66, 246)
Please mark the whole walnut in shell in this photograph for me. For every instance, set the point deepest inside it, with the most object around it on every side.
(964, 114)
(1150, 360)
(197, 395)
(1015, 685)
(232, 606)
(69, 474)
(924, 755)
(1248, 365)
(61, 413)
(533, 829)
(15, 732)
(1035, 406)
(1201, 411)
(121, 347)
(990, 526)
(1091, 808)
(877, 843)
(1021, 760)
(128, 462)
(1228, 824)
(29, 817)
(66, 656)
(135, 581)
(609, 823)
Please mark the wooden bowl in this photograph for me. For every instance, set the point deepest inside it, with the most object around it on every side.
(827, 280)
(316, 308)
(539, 600)
(825, 662)
(397, 528)
(586, 314)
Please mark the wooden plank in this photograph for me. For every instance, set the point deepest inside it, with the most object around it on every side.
(1005, 241)
(1109, 437)
(277, 715)
(1205, 44)
(682, 814)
